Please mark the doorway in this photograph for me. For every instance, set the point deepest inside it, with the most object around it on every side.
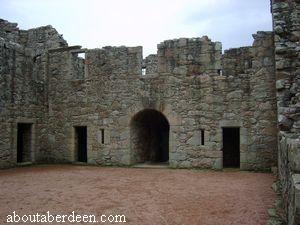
(81, 143)
(150, 137)
(24, 145)
(231, 147)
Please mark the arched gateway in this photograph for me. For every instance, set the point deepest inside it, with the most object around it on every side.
(149, 130)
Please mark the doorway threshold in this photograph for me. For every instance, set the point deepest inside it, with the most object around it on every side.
(231, 169)
(20, 164)
(152, 165)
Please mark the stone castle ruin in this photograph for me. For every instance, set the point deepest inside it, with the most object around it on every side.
(188, 106)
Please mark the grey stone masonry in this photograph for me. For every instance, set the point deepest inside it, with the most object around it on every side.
(286, 23)
(173, 107)
(46, 83)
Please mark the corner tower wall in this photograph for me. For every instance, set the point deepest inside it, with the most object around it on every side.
(286, 23)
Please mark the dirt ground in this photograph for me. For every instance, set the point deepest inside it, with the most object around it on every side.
(144, 196)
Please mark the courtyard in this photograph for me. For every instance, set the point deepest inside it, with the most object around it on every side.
(143, 196)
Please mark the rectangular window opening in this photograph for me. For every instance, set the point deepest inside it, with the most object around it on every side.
(24, 145)
(79, 65)
(81, 55)
(202, 137)
(81, 143)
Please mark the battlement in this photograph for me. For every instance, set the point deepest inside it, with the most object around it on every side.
(189, 56)
(245, 60)
(180, 57)
(115, 60)
(183, 56)
(237, 60)
(37, 39)
(9, 31)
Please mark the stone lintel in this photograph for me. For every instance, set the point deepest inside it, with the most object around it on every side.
(63, 49)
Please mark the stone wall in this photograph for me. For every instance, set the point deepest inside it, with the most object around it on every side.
(99, 101)
(113, 90)
(22, 94)
(286, 22)
(57, 91)
(23, 91)
(197, 89)
(263, 107)
(256, 65)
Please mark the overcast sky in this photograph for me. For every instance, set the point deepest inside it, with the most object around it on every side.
(98, 23)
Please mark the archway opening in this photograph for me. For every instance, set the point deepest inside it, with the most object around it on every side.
(150, 137)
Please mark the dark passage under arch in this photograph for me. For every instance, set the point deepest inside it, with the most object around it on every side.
(150, 137)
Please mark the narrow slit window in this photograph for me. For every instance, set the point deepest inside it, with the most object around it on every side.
(102, 136)
(250, 63)
(220, 72)
(202, 137)
(144, 71)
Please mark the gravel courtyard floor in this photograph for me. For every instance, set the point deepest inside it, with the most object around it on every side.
(144, 196)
